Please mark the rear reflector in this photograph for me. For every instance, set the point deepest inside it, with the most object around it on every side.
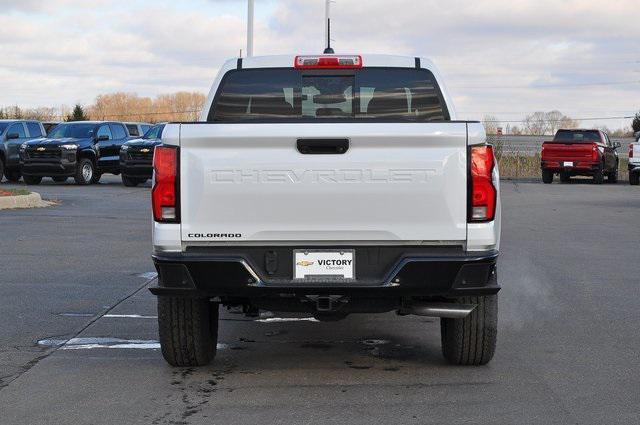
(483, 193)
(328, 62)
(164, 195)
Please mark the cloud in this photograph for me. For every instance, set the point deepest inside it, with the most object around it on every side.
(501, 57)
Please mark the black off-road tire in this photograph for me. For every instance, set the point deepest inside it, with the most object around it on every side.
(129, 182)
(59, 179)
(598, 176)
(471, 341)
(13, 176)
(565, 177)
(547, 176)
(83, 177)
(188, 330)
(634, 179)
(32, 180)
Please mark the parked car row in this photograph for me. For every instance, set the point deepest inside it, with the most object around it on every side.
(582, 152)
(83, 150)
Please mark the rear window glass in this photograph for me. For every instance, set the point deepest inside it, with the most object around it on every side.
(133, 130)
(578, 136)
(284, 94)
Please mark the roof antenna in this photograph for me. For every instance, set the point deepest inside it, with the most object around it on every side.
(327, 29)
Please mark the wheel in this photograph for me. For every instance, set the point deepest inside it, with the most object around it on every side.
(472, 340)
(598, 176)
(612, 177)
(13, 176)
(59, 179)
(634, 179)
(96, 178)
(547, 176)
(85, 171)
(565, 177)
(32, 180)
(188, 330)
(129, 182)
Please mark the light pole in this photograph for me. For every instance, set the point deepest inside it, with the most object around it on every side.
(250, 28)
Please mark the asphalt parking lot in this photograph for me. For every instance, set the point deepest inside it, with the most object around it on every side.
(568, 330)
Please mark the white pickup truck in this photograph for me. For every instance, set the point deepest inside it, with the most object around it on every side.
(634, 161)
(327, 185)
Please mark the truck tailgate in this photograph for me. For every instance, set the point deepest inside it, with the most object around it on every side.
(396, 182)
(556, 151)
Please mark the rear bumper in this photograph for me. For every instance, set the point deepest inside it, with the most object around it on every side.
(381, 272)
(634, 167)
(578, 167)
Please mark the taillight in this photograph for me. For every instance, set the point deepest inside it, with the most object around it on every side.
(482, 192)
(165, 197)
(594, 152)
(328, 62)
(630, 151)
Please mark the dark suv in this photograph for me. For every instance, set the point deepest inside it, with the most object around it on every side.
(13, 133)
(83, 150)
(136, 157)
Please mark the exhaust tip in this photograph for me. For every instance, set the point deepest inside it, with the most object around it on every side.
(444, 310)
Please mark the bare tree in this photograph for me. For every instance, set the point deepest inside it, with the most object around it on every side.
(491, 124)
(547, 123)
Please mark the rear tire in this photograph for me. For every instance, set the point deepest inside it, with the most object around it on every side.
(12, 176)
(471, 341)
(547, 177)
(634, 179)
(613, 177)
(85, 172)
(129, 182)
(188, 330)
(598, 176)
(32, 180)
(565, 177)
(59, 179)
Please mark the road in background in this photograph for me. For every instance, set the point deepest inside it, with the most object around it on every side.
(567, 350)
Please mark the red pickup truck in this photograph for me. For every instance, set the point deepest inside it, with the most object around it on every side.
(580, 153)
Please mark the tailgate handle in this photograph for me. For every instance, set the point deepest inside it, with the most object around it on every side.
(323, 146)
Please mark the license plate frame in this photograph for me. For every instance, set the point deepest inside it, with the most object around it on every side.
(324, 273)
(568, 164)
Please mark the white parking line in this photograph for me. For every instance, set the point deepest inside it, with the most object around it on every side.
(111, 343)
(287, 319)
(128, 316)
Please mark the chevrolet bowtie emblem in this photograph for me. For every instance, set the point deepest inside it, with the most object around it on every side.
(40, 149)
(145, 150)
(305, 263)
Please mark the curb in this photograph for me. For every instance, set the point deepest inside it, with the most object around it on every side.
(32, 200)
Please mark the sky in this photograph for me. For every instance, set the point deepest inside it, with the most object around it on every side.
(505, 58)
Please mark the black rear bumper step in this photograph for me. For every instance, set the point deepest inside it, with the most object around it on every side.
(380, 272)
